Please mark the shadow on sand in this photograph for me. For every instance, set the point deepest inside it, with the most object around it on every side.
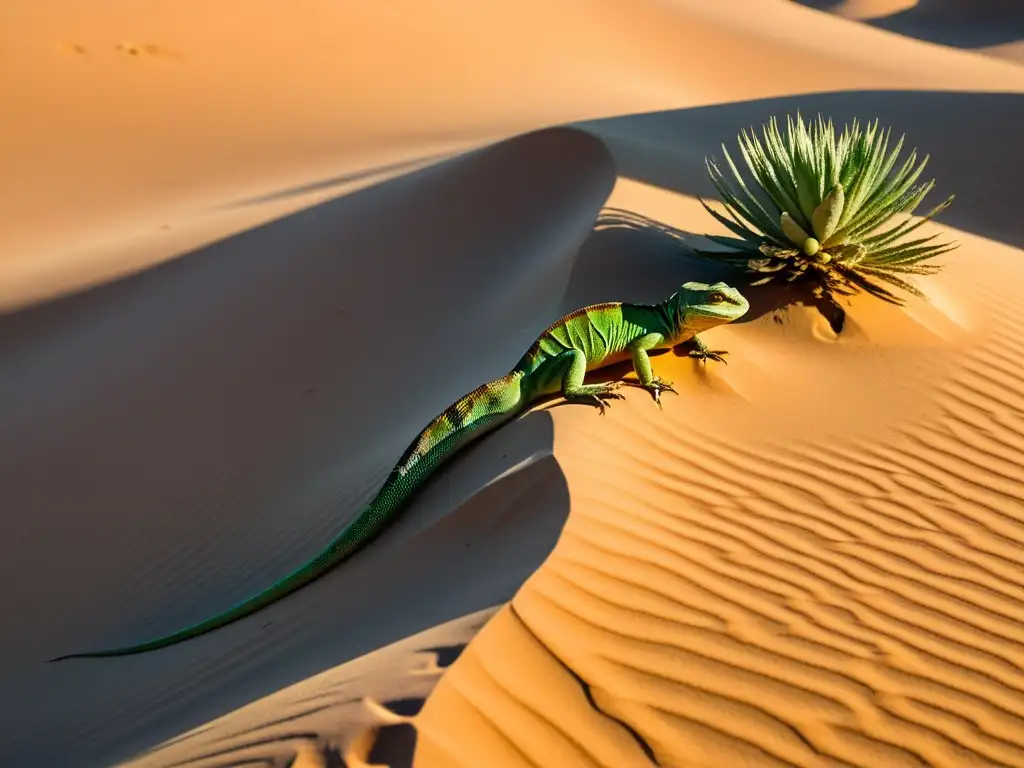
(972, 159)
(956, 23)
(214, 420)
(628, 242)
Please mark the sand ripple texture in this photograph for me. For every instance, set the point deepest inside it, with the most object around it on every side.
(847, 593)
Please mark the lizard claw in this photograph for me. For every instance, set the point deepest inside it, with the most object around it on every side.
(656, 387)
(599, 400)
(597, 396)
(710, 354)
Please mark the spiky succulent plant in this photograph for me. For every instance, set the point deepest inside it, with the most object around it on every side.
(819, 205)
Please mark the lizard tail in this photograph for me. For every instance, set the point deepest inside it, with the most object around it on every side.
(469, 418)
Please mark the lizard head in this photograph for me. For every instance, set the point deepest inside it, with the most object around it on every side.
(701, 306)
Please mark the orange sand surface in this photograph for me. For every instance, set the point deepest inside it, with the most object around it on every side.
(249, 248)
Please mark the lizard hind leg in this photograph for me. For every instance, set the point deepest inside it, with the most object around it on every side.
(573, 388)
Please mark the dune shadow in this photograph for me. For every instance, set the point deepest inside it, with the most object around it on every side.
(956, 23)
(334, 181)
(978, 158)
(395, 746)
(631, 257)
(821, 5)
(445, 655)
(204, 416)
(330, 756)
(479, 529)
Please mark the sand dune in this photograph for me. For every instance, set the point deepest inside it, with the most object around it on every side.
(993, 27)
(146, 124)
(365, 703)
(253, 250)
(779, 586)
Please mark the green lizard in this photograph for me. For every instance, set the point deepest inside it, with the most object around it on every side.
(589, 338)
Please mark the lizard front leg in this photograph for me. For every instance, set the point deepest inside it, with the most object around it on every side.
(704, 354)
(642, 366)
(573, 388)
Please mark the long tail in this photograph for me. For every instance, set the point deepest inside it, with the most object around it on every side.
(481, 411)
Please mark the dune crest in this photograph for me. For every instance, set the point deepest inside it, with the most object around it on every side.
(992, 27)
(332, 91)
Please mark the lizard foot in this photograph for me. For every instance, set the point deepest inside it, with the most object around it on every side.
(656, 387)
(595, 395)
(710, 354)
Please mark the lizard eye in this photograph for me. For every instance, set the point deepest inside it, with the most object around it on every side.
(716, 298)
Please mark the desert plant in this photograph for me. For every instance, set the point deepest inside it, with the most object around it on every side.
(817, 206)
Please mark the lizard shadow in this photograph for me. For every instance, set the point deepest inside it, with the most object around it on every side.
(616, 372)
(630, 250)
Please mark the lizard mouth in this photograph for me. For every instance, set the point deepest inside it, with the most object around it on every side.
(729, 308)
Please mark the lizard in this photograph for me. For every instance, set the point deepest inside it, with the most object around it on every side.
(593, 337)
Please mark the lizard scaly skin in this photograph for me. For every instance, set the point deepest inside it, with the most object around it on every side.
(589, 338)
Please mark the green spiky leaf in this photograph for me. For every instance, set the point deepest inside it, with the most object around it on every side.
(826, 200)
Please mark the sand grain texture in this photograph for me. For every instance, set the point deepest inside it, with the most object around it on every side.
(249, 251)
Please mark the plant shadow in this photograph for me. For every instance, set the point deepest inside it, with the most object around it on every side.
(628, 247)
(977, 159)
